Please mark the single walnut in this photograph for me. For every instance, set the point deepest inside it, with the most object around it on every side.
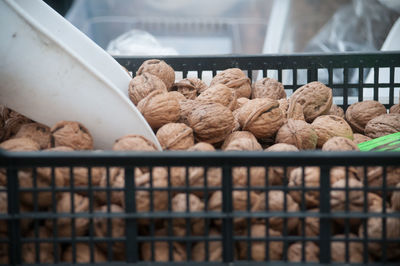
(202, 146)
(71, 134)
(375, 178)
(360, 138)
(159, 108)
(82, 254)
(261, 116)
(175, 136)
(234, 78)
(240, 102)
(12, 123)
(37, 132)
(336, 110)
(298, 133)
(195, 204)
(237, 135)
(311, 225)
(383, 125)
(143, 85)
(315, 97)
(277, 174)
(20, 144)
(311, 252)
(355, 249)
(46, 252)
(160, 69)
(214, 249)
(360, 113)
(81, 204)
(243, 144)
(257, 177)
(339, 144)
(268, 88)
(395, 109)
(177, 95)
(395, 200)
(219, 93)
(276, 203)
(211, 122)
(328, 126)
(258, 247)
(134, 143)
(190, 87)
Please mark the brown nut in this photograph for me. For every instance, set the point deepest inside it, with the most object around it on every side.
(328, 126)
(276, 174)
(186, 107)
(243, 144)
(355, 249)
(268, 88)
(81, 204)
(256, 179)
(339, 144)
(195, 204)
(219, 93)
(177, 95)
(235, 79)
(159, 108)
(190, 87)
(395, 200)
(336, 110)
(134, 143)
(296, 112)
(82, 254)
(258, 247)
(46, 253)
(214, 249)
(261, 116)
(360, 113)
(175, 136)
(202, 146)
(211, 122)
(395, 109)
(20, 144)
(311, 225)
(71, 134)
(240, 102)
(311, 252)
(37, 132)
(360, 138)
(160, 69)
(314, 97)
(383, 125)
(143, 85)
(12, 123)
(298, 133)
(254, 145)
(375, 178)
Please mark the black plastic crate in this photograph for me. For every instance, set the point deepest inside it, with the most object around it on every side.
(238, 246)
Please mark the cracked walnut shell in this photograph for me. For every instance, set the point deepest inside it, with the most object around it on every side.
(71, 134)
(37, 132)
(219, 93)
(160, 69)
(268, 88)
(235, 79)
(143, 85)
(298, 133)
(190, 87)
(360, 113)
(175, 136)
(328, 126)
(383, 125)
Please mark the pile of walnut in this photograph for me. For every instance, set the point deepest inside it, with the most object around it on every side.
(232, 115)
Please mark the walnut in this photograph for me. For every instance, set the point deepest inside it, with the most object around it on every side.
(241, 135)
(20, 144)
(202, 146)
(211, 122)
(82, 254)
(46, 253)
(355, 249)
(268, 88)
(190, 87)
(234, 78)
(143, 85)
(195, 205)
(336, 110)
(161, 249)
(243, 144)
(117, 229)
(177, 95)
(240, 102)
(315, 97)
(159, 108)
(214, 249)
(298, 133)
(328, 126)
(261, 116)
(395, 200)
(360, 138)
(360, 113)
(374, 230)
(186, 107)
(71, 134)
(134, 143)
(276, 174)
(311, 252)
(296, 112)
(383, 125)
(395, 109)
(311, 225)
(81, 204)
(175, 136)
(258, 247)
(219, 93)
(339, 144)
(257, 176)
(160, 69)
(375, 177)
(12, 123)
(37, 132)
(276, 204)
(375, 202)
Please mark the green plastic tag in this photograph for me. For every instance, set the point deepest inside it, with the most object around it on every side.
(386, 143)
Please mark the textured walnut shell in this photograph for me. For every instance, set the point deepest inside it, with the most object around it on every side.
(256, 179)
(395, 200)
(211, 122)
(243, 144)
(336, 110)
(360, 113)
(340, 144)
(268, 88)
(239, 135)
(261, 116)
(296, 112)
(258, 247)
(214, 249)
(177, 95)
(71, 134)
(202, 146)
(190, 87)
(298, 133)
(360, 138)
(186, 108)
(276, 204)
(240, 102)
(375, 177)
(328, 126)
(219, 93)
(160, 69)
(143, 85)
(20, 144)
(134, 143)
(37, 132)
(195, 205)
(82, 254)
(395, 109)
(383, 125)
(159, 108)
(355, 252)
(311, 252)
(311, 225)
(175, 136)
(235, 79)
(12, 123)
(46, 253)
(315, 98)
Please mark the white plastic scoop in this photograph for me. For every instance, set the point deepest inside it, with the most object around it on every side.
(50, 71)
